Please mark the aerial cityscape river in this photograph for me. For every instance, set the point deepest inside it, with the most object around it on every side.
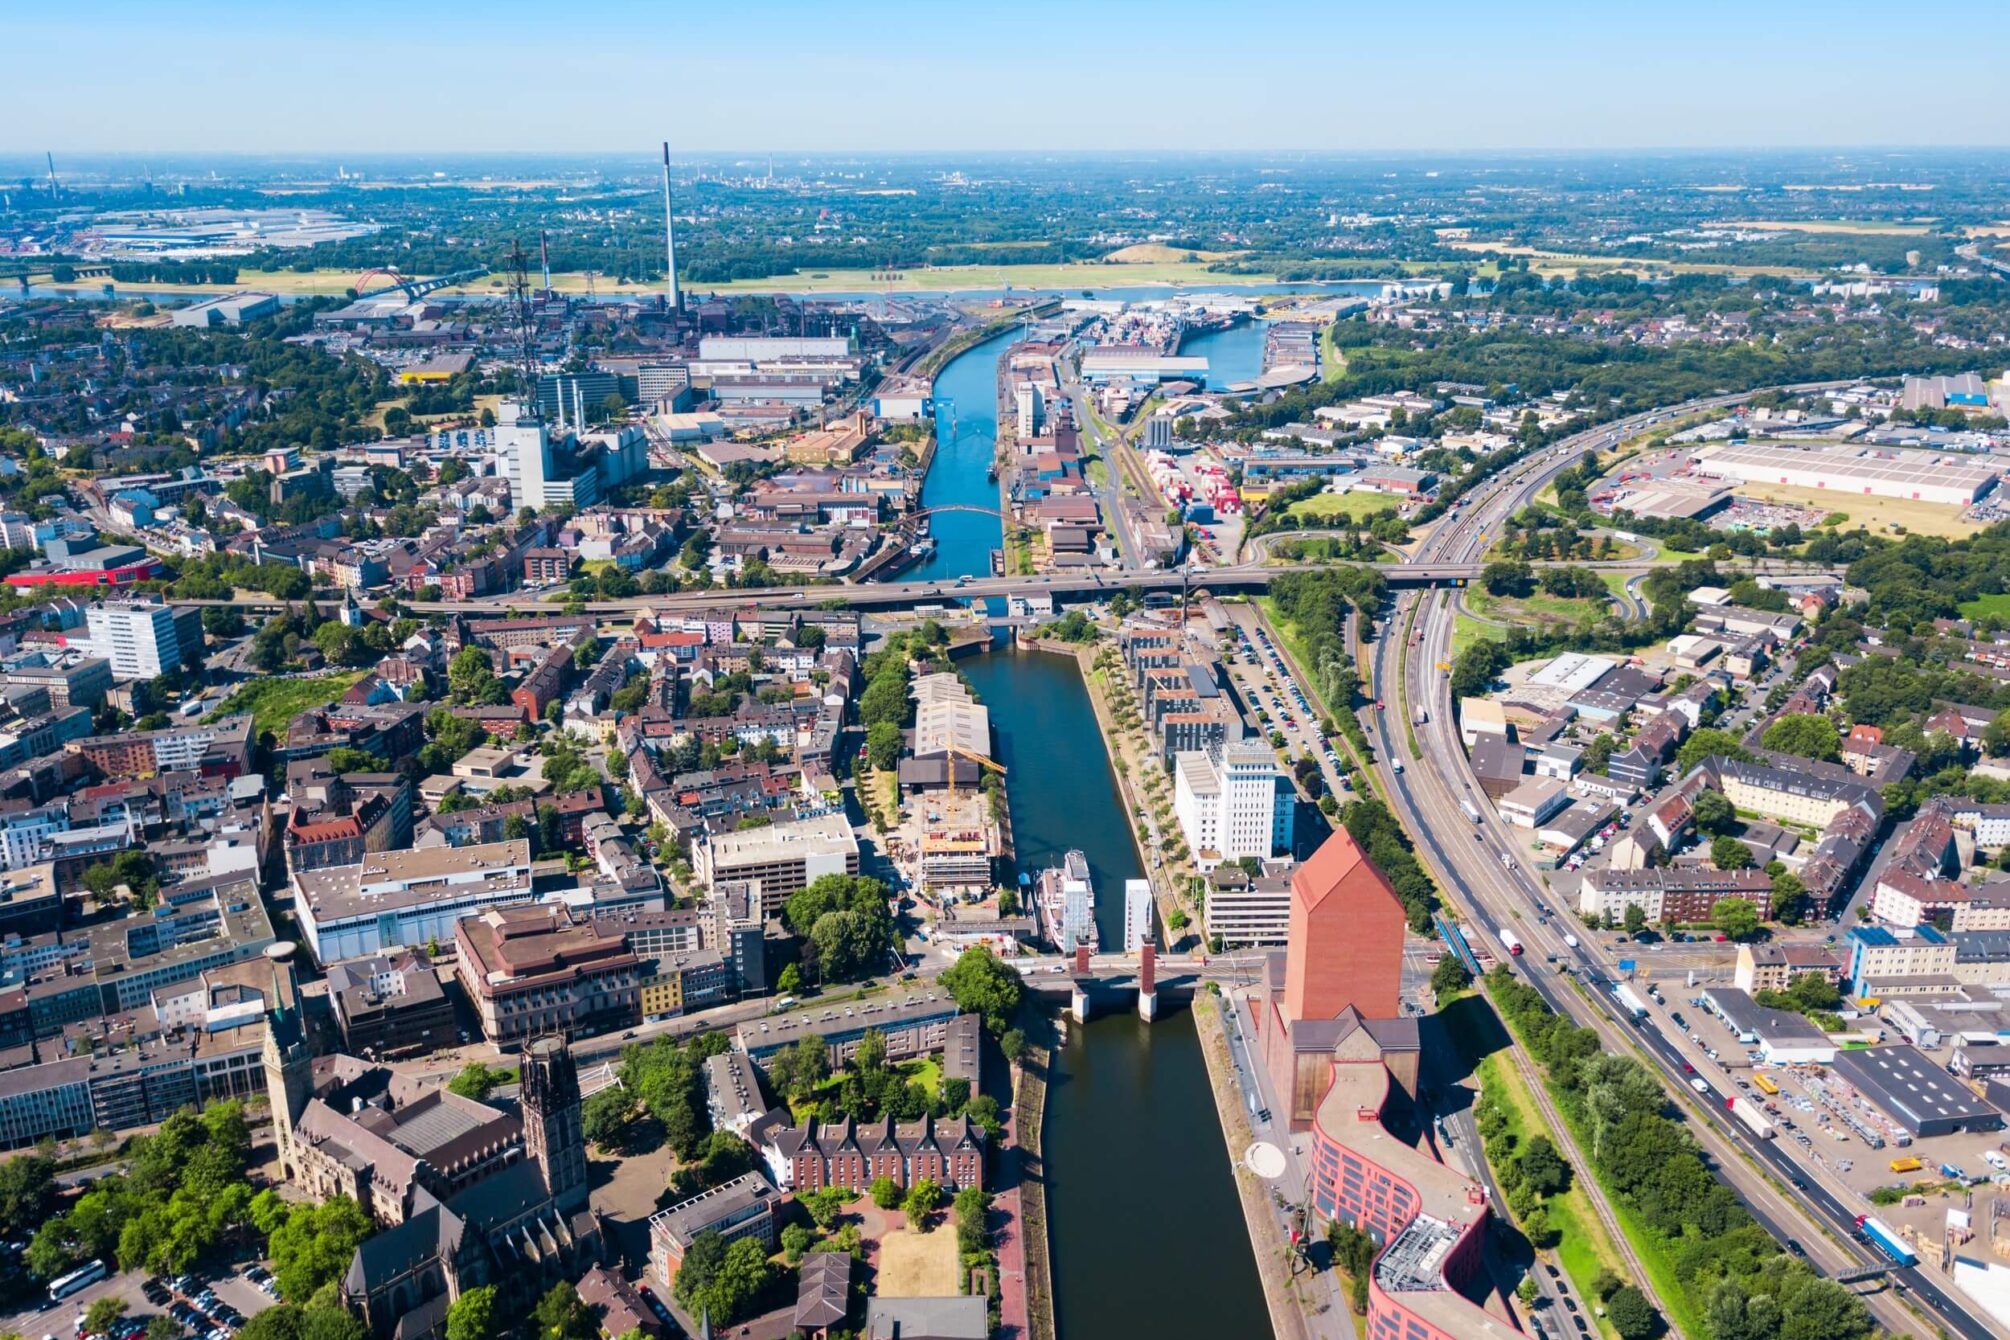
(1138, 1178)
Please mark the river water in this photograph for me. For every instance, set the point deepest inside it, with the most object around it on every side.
(1146, 1234)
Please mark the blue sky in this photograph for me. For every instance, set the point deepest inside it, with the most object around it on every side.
(369, 75)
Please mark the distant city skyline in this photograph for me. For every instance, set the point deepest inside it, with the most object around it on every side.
(899, 75)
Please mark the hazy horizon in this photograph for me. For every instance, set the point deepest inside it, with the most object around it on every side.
(895, 76)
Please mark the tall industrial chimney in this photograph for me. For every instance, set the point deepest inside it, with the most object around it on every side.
(544, 254)
(670, 233)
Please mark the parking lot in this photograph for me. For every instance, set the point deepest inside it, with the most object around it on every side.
(235, 1297)
(1806, 1111)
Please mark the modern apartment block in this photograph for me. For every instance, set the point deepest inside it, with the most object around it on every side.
(1233, 802)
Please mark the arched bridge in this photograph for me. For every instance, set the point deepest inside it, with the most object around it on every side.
(411, 288)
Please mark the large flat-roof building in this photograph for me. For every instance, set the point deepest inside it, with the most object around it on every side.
(1915, 1093)
(396, 899)
(1883, 472)
(783, 858)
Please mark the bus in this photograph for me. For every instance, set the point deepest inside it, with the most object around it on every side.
(83, 1276)
(1765, 1083)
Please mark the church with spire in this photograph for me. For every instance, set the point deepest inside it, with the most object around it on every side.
(467, 1193)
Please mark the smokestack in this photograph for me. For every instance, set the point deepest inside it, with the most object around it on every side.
(544, 254)
(670, 234)
(56, 187)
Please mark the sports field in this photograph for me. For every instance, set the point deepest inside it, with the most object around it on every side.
(917, 1265)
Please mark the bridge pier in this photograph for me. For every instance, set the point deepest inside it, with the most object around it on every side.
(1148, 987)
(1078, 999)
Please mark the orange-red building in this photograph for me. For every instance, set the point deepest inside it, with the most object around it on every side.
(1338, 1048)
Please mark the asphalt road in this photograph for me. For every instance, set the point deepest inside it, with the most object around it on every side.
(1497, 891)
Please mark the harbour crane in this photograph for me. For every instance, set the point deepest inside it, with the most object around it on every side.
(958, 751)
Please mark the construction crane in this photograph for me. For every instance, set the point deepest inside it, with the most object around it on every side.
(958, 751)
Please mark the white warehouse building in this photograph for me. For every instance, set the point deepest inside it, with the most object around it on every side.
(1887, 472)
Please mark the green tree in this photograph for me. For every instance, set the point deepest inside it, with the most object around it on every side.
(1450, 975)
(790, 981)
(27, 1193)
(1710, 743)
(981, 983)
(313, 1245)
(605, 1116)
(1541, 1168)
(923, 1199)
(885, 1192)
(1805, 734)
(1736, 918)
(103, 1313)
(795, 1242)
(1631, 1314)
(472, 1316)
(882, 743)
(1728, 853)
(1713, 813)
(476, 1081)
(562, 1315)
(1635, 919)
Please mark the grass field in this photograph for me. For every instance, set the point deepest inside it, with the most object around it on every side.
(1851, 227)
(937, 279)
(1357, 505)
(1994, 607)
(1332, 363)
(1153, 253)
(1537, 609)
(1920, 518)
(275, 702)
(1564, 262)
(1466, 630)
(1586, 1246)
(917, 1265)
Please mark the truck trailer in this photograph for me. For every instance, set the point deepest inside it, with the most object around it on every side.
(1510, 941)
(1886, 1241)
(1627, 997)
(1747, 1111)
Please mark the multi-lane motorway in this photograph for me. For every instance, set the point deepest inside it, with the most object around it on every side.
(1481, 868)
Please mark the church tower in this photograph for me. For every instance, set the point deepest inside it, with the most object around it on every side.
(289, 1062)
(551, 1121)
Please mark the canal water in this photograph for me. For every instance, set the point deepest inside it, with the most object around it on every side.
(1233, 355)
(1145, 1230)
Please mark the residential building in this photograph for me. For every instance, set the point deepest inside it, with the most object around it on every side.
(742, 1208)
(1685, 895)
(138, 638)
(1233, 802)
(851, 1154)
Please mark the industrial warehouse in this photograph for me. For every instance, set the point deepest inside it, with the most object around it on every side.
(1925, 476)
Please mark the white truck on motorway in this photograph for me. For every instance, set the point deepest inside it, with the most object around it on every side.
(1570, 940)
(1471, 811)
(1627, 997)
(1747, 1111)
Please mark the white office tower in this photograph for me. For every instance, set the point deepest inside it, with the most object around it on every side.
(1232, 802)
(1032, 409)
(524, 451)
(1137, 913)
(137, 637)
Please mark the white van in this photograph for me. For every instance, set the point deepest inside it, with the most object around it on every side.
(1996, 1160)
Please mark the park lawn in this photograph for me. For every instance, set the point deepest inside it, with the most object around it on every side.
(1995, 607)
(1360, 506)
(917, 1265)
(1586, 1246)
(273, 703)
(1680, 555)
